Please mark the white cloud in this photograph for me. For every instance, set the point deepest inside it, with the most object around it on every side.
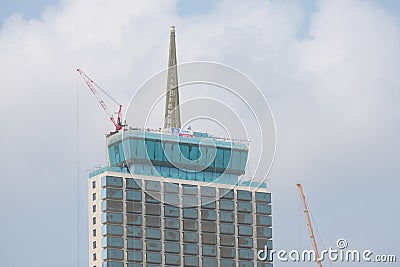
(334, 96)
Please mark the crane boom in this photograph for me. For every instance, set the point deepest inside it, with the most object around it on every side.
(309, 224)
(92, 86)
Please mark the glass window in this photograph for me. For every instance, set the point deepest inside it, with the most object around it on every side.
(227, 252)
(94, 220)
(112, 205)
(132, 231)
(208, 203)
(264, 232)
(135, 256)
(94, 232)
(245, 230)
(244, 206)
(171, 223)
(94, 196)
(226, 193)
(208, 191)
(244, 218)
(226, 228)
(171, 235)
(133, 243)
(172, 247)
(133, 207)
(227, 263)
(227, 158)
(172, 259)
(263, 208)
(114, 230)
(227, 240)
(152, 233)
(263, 197)
(153, 185)
(194, 152)
(226, 204)
(170, 211)
(208, 215)
(192, 249)
(209, 261)
(153, 209)
(134, 219)
(94, 208)
(190, 237)
(190, 261)
(94, 256)
(111, 193)
(210, 227)
(111, 181)
(153, 257)
(152, 198)
(153, 221)
(190, 213)
(189, 189)
(190, 225)
(219, 158)
(94, 244)
(209, 250)
(133, 195)
(184, 150)
(110, 217)
(150, 149)
(94, 184)
(251, 264)
(210, 239)
(158, 151)
(246, 254)
(171, 188)
(153, 246)
(235, 160)
(133, 183)
(263, 220)
(189, 201)
(243, 195)
(262, 242)
(245, 242)
(226, 216)
(115, 242)
(171, 199)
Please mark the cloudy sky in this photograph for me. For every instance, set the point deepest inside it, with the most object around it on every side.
(329, 70)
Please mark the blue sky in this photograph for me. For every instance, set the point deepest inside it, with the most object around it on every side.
(33, 9)
(329, 70)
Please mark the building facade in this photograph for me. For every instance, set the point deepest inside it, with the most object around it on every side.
(156, 221)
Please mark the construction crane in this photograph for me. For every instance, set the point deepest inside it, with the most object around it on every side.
(309, 224)
(92, 86)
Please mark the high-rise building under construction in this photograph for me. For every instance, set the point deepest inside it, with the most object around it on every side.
(166, 198)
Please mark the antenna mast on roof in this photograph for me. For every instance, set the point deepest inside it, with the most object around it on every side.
(172, 118)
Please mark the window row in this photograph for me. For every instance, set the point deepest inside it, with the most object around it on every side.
(173, 247)
(173, 259)
(152, 218)
(205, 191)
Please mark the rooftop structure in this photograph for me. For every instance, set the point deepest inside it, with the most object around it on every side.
(173, 197)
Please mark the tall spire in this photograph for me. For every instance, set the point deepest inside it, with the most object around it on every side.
(172, 118)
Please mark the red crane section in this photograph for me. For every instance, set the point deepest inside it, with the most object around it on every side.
(92, 86)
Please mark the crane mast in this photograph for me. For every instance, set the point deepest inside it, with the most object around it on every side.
(92, 86)
(309, 224)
